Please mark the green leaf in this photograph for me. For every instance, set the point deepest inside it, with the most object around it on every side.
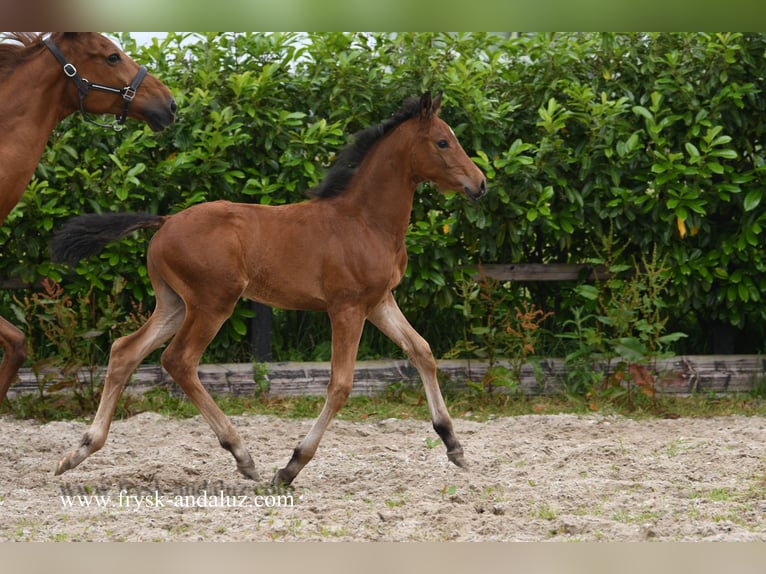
(671, 337)
(715, 167)
(631, 348)
(587, 291)
(752, 199)
(725, 153)
(239, 326)
(642, 111)
(721, 140)
(137, 169)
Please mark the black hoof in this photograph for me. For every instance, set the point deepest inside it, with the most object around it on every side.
(281, 479)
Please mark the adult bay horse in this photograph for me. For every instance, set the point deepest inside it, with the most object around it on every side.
(341, 252)
(43, 79)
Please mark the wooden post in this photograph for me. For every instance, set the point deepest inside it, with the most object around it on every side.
(544, 272)
(260, 331)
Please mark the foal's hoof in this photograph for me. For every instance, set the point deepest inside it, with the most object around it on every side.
(281, 479)
(69, 461)
(63, 465)
(249, 472)
(456, 457)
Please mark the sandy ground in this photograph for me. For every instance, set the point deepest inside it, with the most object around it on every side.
(531, 478)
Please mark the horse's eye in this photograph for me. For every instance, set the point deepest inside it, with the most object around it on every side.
(444, 144)
(113, 58)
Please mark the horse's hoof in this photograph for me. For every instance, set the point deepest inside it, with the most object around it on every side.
(281, 480)
(62, 466)
(458, 459)
(249, 472)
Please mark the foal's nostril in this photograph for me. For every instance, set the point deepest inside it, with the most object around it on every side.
(173, 106)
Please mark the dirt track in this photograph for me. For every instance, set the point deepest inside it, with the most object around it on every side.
(532, 478)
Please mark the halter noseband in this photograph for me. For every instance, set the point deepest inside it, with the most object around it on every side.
(84, 86)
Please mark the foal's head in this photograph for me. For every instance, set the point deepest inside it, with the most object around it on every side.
(433, 150)
(99, 60)
(439, 157)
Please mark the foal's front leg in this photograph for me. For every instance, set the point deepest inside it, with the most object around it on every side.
(346, 332)
(391, 321)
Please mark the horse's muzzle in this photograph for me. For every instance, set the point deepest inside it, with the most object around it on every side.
(475, 194)
(158, 118)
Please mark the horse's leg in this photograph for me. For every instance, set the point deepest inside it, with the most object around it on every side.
(181, 360)
(346, 332)
(125, 356)
(391, 321)
(14, 354)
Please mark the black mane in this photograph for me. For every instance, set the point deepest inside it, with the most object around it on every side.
(348, 159)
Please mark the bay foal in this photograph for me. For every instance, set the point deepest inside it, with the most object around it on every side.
(342, 252)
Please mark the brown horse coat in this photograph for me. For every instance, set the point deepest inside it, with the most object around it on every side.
(342, 252)
(35, 95)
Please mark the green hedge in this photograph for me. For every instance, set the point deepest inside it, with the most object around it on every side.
(649, 142)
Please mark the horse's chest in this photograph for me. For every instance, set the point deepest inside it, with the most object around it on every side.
(398, 268)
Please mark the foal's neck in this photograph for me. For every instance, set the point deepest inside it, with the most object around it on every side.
(382, 190)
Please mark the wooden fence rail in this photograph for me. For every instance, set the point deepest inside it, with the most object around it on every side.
(543, 271)
(680, 375)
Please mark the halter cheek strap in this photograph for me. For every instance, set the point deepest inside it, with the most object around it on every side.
(84, 86)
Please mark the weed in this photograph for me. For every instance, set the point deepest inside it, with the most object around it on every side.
(432, 443)
(261, 380)
(759, 386)
(496, 326)
(449, 491)
(394, 502)
(545, 512)
(619, 333)
(720, 494)
(74, 337)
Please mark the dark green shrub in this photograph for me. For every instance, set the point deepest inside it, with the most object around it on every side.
(658, 137)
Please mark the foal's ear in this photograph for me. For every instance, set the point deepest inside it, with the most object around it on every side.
(437, 102)
(425, 105)
(429, 106)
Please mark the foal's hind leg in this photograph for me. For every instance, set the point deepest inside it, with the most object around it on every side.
(346, 332)
(126, 354)
(181, 360)
(391, 321)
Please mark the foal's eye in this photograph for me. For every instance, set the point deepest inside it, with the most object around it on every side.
(113, 58)
(444, 144)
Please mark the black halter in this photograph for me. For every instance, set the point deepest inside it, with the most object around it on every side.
(84, 86)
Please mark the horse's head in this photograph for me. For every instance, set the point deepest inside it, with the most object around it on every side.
(440, 158)
(110, 82)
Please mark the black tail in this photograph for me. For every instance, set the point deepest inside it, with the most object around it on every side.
(85, 235)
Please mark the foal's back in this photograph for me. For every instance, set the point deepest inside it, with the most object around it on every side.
(295, 256)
